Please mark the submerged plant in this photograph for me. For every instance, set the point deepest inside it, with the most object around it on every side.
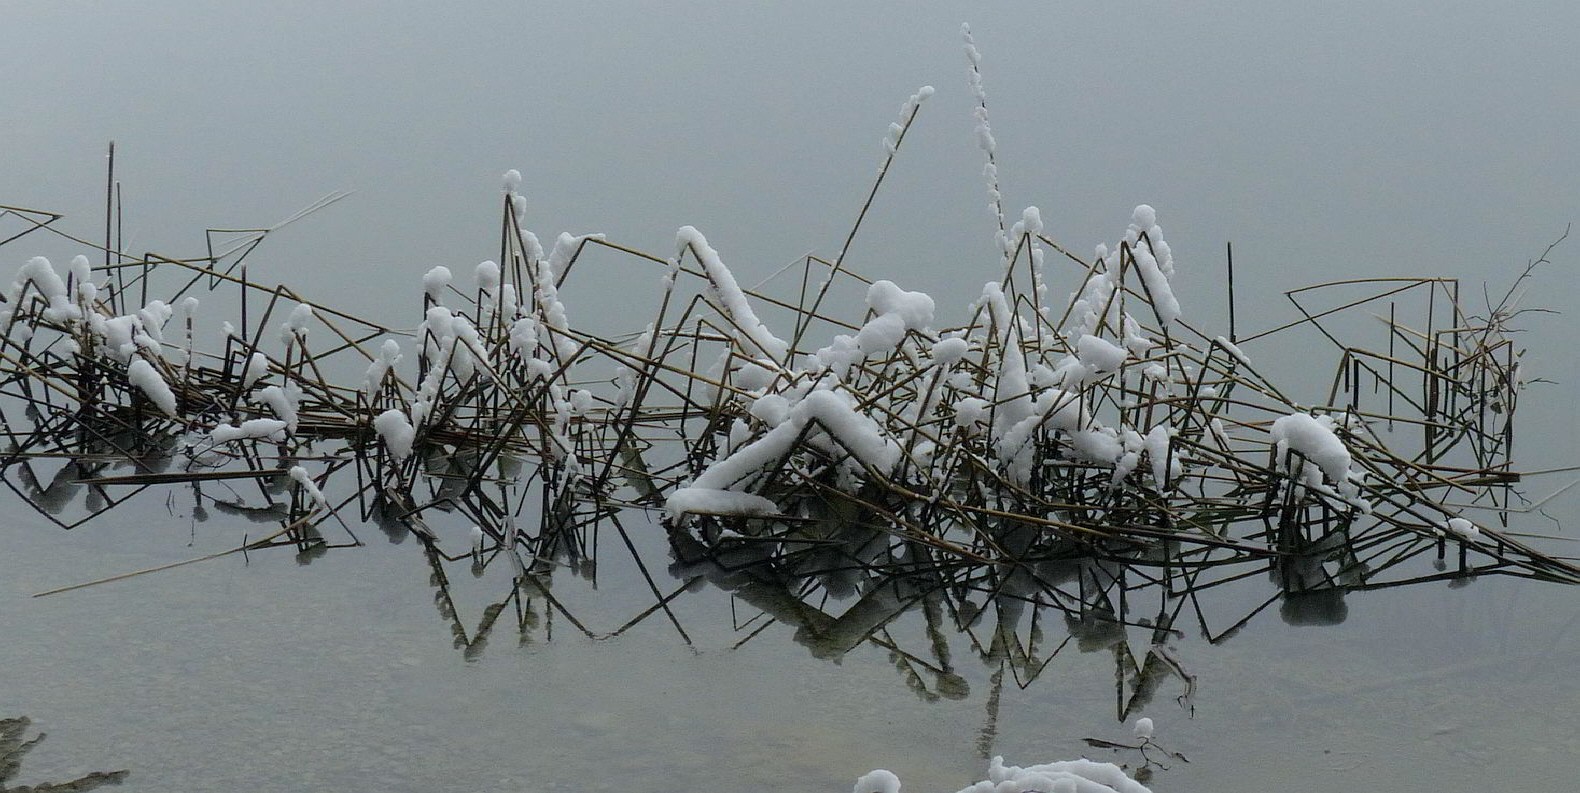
(13, 747)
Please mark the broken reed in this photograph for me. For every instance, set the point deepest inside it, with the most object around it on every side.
(503, 425)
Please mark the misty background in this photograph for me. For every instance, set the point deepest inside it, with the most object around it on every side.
(1326, 141)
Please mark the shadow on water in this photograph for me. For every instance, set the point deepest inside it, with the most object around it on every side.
(1019, 487)
(14, 746)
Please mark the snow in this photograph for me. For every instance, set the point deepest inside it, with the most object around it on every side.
(294, 329)
(1164, 468)
(450, 344)
(1098, 354)
(305, 481)
(389, 357)
(1313, 437)
(891, 140)
(257, 368)
(948, 351)
(1070, 776)
(1463, 529)
(881, 334)
(914, 309)
(396, 431)
(771, 409)
(487, 275)
(971, 412)
(1143, 729)
(42, 277)
(879, 781)
(553, 320)
(284, 403)
(984, 131)
(1155, 262)
(846, 430)
(512, 180)
(142, 374)
(732, 300)
(477, 539)
(434, 281)
(1229, 347)
(711, 501)
(253, 429)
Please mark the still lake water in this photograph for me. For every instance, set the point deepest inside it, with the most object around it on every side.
(267, 674)
(1326, 142)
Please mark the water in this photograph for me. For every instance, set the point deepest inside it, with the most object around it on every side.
(269, 674)
(1323, 148)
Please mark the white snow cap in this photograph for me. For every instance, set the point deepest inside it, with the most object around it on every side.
(434, 281)
(1313, 437)
(396, 431)
(1070, 776)
(512, 180)
(1463, 529)
(732, 300)
(142, 374)
(1143, 728)
(253, 429)
(309, 487)
(879, 781)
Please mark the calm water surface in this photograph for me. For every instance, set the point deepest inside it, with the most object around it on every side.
(268, 674)
(1326, 142)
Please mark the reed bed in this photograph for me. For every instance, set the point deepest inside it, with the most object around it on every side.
(1100, 460)
(1101, 456)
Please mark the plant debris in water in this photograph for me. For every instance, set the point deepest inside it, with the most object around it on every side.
(1108, 455)
(12, 749)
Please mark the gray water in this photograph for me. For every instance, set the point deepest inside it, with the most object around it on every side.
(1325, 142)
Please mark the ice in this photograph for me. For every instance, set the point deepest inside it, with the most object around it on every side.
(142, 374)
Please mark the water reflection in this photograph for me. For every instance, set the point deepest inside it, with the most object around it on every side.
(14, 746)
